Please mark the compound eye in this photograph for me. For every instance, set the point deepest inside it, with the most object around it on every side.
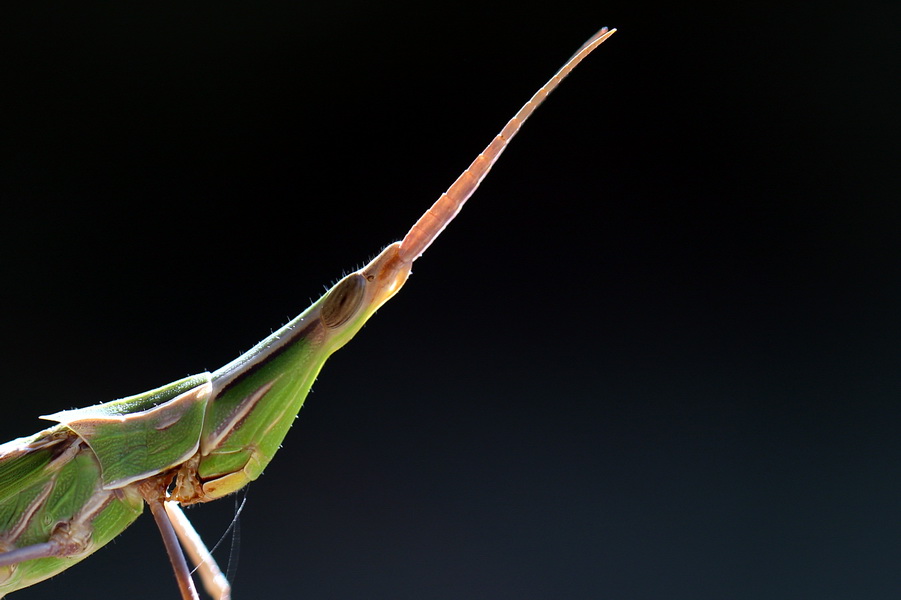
(343, 301)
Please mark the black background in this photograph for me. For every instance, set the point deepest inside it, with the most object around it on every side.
(657, 355)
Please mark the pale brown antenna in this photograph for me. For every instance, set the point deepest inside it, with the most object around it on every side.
(433, 222)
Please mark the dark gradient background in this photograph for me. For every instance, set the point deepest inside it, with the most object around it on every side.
(657, 356)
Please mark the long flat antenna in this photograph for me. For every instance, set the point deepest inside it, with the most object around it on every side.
(433, 222)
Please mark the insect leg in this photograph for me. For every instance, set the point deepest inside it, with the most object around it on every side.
(69, 539)
(153, 494)
(214, 582)
(18, 555)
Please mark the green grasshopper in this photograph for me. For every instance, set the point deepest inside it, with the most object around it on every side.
(68, 490)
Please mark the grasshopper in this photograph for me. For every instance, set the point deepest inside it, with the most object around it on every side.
(68, 490)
